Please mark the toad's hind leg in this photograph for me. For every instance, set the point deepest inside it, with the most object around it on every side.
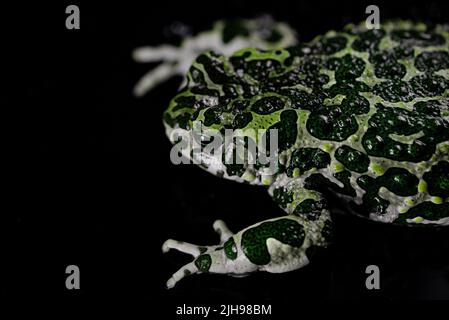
(275, 245)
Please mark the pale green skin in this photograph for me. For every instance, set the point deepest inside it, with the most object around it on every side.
(287, 239)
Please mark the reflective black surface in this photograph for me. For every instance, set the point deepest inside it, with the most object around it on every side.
(92, 183)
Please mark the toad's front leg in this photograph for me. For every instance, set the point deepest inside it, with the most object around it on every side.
(276, 245)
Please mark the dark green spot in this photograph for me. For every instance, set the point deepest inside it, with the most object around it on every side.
(267, 105)
(311, 209)
(432, 61)
(307, 158)
(352, 159)
(426, 210)
(254, 240)
(230, 249)
(203, 262)
(438, 180)
(397, 180)
(287, 130)
(282, 197)
(241, 120)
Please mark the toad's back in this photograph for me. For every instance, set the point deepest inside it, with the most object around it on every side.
(360, 113)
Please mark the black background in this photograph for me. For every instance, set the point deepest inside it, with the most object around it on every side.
(92, 183)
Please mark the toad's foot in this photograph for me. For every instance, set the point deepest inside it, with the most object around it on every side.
(202, 254)
(275, 245)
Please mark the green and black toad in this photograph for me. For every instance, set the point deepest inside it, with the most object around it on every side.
(361, 114)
